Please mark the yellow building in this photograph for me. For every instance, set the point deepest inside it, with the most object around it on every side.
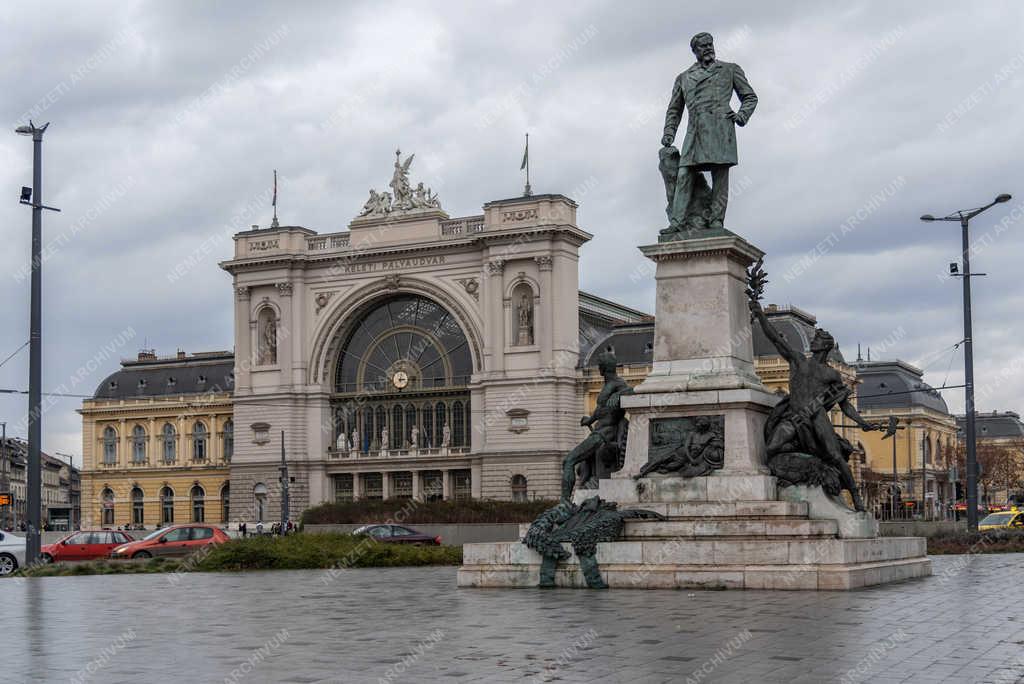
(924, 447)
(157, 441)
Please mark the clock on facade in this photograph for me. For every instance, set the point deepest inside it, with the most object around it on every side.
(400, 379)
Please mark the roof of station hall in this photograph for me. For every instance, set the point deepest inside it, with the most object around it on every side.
(154, 376)
(895, 385)
(995, 424)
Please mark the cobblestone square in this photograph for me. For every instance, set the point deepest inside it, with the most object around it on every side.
(413, 625)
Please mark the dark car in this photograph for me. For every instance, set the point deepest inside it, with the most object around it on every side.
(396, 534)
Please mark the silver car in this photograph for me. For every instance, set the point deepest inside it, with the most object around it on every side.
(12, 553)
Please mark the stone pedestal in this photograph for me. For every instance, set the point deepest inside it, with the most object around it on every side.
(729, 526)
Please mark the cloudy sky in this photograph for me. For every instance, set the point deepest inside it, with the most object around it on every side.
(167, 119)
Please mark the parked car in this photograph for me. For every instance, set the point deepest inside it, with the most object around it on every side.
(177, 540)
(85, 545)
(396, 534)
(12, 553)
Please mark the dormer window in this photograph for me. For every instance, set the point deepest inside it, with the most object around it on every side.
(142, 384)
(201, 380)
(113, 384)
(171, 382)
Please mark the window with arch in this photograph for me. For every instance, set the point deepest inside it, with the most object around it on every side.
(382, 422)
(397, 434)
(198, 497)
(259, 493)
(410, 423)
(522, 315)
(107, 501)
(225, 503)
(427, 438)
(166, 506)
(458, 424)
(170, 443)
(229, 441)
(927, 447)
(440, 421)
(138, 444)
(266, 343)
(138, 506)
(519, 492)
(109, 446)
(199, 442)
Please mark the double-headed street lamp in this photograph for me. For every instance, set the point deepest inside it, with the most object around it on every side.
(964, 216)
(35, 350)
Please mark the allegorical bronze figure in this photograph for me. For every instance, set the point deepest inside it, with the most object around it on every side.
(604, 446)
(801, 444)
(705, 90)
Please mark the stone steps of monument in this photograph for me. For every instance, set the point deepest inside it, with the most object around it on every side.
(709, 527)
(713, 551)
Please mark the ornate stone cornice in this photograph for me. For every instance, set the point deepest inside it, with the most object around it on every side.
(243, 292)
(544, 262)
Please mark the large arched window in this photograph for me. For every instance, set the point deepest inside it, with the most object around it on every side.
(138, 444)
(138, 506)
(109, 446)
(170, 440)
(199, 442)
(166, 506)
(458, 425)
(198, 497)
(229, 441)
(927, 448)
(397, 440)
(225, 503)
(107, 502)
(427, 440)
(406, 342)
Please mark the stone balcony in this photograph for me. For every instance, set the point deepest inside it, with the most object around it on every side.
(334, 454)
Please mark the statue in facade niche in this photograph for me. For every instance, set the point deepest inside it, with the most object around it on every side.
(355, 440)
(341, 443)
(524, 313)
(414, 437)
(268, 341)
(582, 525)
(802, 446)
(605, 446)
(446, 436)
(705, 90)
(384, 442)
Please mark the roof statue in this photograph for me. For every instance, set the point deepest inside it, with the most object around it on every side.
(403, 198)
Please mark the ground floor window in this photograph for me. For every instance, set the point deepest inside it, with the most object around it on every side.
(198, 504)
(343, 492)
(401, 485)
(433, 485)
(519, 492)
(108, 507)
(166, 506)
(260, 495)
(138, 507)
(462, 481)
(373, 486)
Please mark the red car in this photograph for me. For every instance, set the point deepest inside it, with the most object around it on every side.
(84, 545)
(177, 540)
(396, 534)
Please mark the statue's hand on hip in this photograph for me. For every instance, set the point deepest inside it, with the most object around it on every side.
(736, 119)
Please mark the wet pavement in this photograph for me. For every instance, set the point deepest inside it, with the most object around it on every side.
(962, 625)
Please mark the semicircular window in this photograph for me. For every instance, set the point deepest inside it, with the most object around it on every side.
(404, 343)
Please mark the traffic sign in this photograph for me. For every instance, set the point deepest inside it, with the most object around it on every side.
(6, 499)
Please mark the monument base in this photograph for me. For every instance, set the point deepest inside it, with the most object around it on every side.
(707, 543)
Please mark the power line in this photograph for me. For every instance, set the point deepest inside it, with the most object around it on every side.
(14, 353)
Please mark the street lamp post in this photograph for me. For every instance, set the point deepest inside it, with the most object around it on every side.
(33, 197)
(964, 216)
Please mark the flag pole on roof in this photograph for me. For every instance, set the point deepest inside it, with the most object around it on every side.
(526, 165)
(274, 223)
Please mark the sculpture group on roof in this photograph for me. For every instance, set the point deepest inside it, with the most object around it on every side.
(403, 197)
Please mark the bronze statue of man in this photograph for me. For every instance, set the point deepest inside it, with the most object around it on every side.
(801, 444)
(705, 89)
(606, 424)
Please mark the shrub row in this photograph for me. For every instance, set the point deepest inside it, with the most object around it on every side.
(423, 512)
(992, 541)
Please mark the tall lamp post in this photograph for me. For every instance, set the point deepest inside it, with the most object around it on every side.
(964, 216)
(35, 351)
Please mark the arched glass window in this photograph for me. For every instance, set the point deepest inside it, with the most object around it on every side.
(107, 501)
(366, 438)
(397, 435)
(927, 450)
(469, 428)
(378, 428)
(166, 506)
(410, 422)
(407, 333)
(199, 442)
(138, 507)
(225, 503)
(198, 497)
(138, 444)
(259, 493)
(458, 424)
(519, 492)
(109, 446)
(229, 441)
(170, 440)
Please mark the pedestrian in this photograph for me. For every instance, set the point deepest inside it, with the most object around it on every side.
(259, 527)
(243, 530)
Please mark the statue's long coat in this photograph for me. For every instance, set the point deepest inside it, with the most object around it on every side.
(706, 93)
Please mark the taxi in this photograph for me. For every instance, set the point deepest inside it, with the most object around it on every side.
(1011, 519)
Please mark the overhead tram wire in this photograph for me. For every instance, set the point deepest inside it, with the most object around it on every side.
(15, 353)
